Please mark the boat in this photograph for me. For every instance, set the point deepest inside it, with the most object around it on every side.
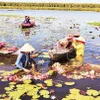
(4, 49)
(64, 56)
(28, 25)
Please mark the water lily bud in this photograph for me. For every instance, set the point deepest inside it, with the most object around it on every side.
(52, 91)
(11, 78)
(44, 85)
(82, 92)
(53, 97)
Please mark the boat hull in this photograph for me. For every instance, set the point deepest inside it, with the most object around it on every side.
(28, 25)
(66, 56)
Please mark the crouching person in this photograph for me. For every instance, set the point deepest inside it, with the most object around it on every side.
(79, 44)
(25, 58)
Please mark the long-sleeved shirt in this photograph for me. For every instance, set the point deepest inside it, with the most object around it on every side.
(22, 59)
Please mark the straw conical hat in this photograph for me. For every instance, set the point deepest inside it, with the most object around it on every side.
(81, 39)
(76, 34)
(27, 48)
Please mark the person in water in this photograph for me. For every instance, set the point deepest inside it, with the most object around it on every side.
(79, 45)
(25, 58)
(27, 20)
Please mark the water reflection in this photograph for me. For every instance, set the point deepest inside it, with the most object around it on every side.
(26, 33)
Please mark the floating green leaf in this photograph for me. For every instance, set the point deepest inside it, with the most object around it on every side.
(36, 96)
(69, 83)
(92, 92)
(46, 96)
(58, 85)
(44, 92)
(8, 88)
(27, 81)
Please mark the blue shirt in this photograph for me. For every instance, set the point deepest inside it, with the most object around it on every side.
(22, 59)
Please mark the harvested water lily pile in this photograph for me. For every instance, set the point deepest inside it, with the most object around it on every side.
(78, 72)
(20, 75)
(85, 71)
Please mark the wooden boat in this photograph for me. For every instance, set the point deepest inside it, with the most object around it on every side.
(28, 25)
(6, 50)
(64, 56)
(8, 58)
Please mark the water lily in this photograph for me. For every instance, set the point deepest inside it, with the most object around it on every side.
(53, 97)
(82, 92)
(92, 72)
(52, 91)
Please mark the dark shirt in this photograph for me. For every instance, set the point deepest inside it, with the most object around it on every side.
(26, 21)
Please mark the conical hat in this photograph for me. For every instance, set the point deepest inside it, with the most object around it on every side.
(27, 48)
(81, 39)
(76, 34)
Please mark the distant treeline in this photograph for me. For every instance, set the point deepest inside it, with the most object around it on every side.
(51, 6)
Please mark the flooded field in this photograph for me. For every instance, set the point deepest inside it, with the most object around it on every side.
(50, 26)
(49, 29)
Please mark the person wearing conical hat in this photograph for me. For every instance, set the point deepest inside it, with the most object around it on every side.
(79, 44)
(25, 57)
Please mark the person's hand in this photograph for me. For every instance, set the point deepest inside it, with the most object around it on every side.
(26, 70)
(32, 56)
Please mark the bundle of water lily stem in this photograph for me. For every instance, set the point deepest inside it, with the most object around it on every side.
(20, 75)
(84, 71)
(77, 72)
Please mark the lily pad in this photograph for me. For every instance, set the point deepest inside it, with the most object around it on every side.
(92, 92)
(50, 72)
(8, 88)
(39, 84)
(49, 82)
(46, 96)
(27, 81)
(36, 96)
(20, 86)
(69, 83)
(58, 85)
(74, 91)
(11, 83)
(32, 93)
(44, 92)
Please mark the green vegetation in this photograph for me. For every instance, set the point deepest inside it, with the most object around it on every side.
(51, 6)
(95, 23)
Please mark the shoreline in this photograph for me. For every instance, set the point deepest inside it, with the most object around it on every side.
(51, 6)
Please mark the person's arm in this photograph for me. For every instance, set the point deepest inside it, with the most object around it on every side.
(34, 55)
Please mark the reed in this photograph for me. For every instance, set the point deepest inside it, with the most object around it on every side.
(51, 6)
